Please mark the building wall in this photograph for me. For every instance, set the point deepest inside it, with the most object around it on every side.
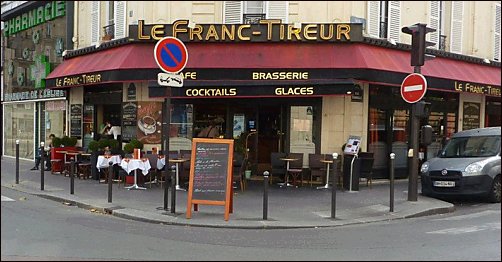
(341, 117)
(478, 17)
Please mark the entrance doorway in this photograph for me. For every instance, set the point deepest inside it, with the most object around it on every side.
(260, 126)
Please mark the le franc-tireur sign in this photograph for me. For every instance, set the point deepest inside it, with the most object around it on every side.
(171, 56)
(413, 88)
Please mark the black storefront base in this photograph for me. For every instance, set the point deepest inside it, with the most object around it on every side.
(356, 172)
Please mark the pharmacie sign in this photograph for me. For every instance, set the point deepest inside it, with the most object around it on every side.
(264, 31)
(34, 17)
(34, 95)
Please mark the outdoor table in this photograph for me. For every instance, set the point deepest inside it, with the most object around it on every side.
(129, 165)
(287, 170)
(327, 172)
(162, 162)
(104, 161)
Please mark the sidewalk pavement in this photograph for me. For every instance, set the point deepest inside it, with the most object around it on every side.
(303, 207)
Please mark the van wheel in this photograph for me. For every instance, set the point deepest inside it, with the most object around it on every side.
(495, 193)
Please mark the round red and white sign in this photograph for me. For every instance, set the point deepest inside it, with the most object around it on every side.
(413, 88)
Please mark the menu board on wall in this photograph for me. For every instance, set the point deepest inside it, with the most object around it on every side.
(129, 112)
(76, 121)
(211, 174)
(471, 115)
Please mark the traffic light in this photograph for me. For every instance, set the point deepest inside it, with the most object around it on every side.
(426, 135)
(422, 109)
(418, 43)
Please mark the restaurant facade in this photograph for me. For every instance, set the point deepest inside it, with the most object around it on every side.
(286, 89)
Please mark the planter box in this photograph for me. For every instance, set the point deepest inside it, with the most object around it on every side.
(54, 155)
(129, 179)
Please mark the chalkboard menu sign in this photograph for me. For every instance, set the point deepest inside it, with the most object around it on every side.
(211, 174)
(129, 112)
(471, 115)
(76, 121)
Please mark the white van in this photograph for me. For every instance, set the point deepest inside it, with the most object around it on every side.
(469, 164)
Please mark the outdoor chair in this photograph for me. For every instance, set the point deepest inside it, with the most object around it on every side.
(366, 168)
(239, 165)
(317, 168)
(152, 173)
(296, 168)
(278, 166)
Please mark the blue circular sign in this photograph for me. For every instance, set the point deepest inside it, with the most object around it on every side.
(171, 54)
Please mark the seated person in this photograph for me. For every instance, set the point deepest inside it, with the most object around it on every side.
(38, 158)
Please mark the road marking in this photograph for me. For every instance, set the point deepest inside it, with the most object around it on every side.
(5, 199)
(413, 88)
(468, 229)
(469, 216)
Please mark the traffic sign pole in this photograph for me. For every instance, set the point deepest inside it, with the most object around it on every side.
(171, 56)
(413, 90)
(413, 169)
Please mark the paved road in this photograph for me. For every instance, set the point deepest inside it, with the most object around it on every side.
(39, 229)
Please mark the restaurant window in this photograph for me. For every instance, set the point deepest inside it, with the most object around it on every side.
(19, 126)
(55, 115)
(492, 112)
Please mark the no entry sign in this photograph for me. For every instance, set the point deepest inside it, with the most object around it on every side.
(413, 88)
(171, 54)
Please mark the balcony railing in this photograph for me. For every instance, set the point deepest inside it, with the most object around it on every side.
(383, 30)
(253, 18)
(109, 32)
(442, 42)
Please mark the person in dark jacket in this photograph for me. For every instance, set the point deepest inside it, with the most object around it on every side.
(38, 156)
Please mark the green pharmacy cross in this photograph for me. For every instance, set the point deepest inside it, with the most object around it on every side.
(40, 70)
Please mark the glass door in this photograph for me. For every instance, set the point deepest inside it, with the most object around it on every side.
(301, 137)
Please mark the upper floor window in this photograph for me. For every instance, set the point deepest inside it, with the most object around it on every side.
(496, 41)
(251, 12)
(254, 11)
(384, 19)
(457, 17)
(114, 26)
(436, 21)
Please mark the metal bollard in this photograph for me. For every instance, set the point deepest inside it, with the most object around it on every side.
(392, 156)
(42, 164)
(173, 189)
(110, 181)
(333, 186)
(265, 195)
(166, 189)
(17, 161)
(72, 173)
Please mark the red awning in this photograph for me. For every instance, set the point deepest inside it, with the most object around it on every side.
(374, 57)
(280, 56)
(119, 58)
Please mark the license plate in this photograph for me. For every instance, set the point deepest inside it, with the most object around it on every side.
(444, 183)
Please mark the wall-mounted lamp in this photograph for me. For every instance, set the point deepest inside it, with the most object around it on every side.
(64, 53)
(97, 45)
(392, 41)
(297, 25)
(486, 60)
(191, 24)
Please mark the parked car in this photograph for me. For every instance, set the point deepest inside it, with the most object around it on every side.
(469, 164)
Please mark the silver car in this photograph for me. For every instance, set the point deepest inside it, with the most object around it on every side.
(469, 164)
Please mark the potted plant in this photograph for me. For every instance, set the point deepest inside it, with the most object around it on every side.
(96, 147)
(134, 143)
